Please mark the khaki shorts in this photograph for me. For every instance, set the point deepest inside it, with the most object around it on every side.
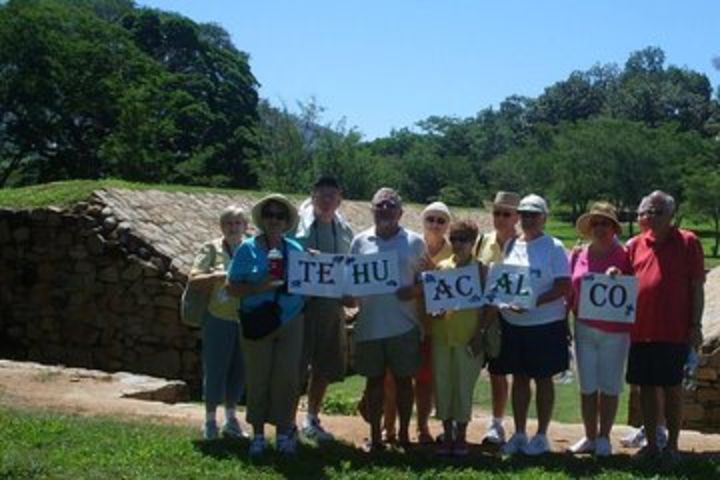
(325, 341)
(400, 354)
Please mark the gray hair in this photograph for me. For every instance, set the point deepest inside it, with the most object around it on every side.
(232, 211)
(667, 200)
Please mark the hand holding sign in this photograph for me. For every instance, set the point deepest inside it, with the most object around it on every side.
(608, 297)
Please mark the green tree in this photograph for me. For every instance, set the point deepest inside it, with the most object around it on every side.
(702, 190)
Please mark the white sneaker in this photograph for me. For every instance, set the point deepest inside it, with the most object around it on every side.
(314, 431)
(210, 430)
(661, 437)
(257, 446)
(635, 439)
(584, 445)
(495, 434)
(516, 444)
(232, 429)
(603, 447)
(537, 445)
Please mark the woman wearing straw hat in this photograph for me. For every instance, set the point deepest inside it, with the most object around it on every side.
(601, 346)
(272, 374)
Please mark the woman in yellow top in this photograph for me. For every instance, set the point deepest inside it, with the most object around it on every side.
(223, 377)
(456, 355)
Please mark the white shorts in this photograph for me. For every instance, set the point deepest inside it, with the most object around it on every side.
(601, 357)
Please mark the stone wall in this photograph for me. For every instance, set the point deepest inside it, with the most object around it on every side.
(98, 285)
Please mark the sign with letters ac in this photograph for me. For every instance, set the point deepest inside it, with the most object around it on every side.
(604, 297)
(371, 274)
(317, 275)
(511, 285)
(455, 289)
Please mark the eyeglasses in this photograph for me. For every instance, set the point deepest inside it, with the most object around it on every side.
(385, 205)
(530, 214)
(498, 213)
(600, 223)
(460, 239)
(438, 220)
(276, 215)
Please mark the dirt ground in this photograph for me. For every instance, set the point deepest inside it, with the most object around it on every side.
(95, 393)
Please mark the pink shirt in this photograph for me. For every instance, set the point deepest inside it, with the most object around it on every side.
(582, 264)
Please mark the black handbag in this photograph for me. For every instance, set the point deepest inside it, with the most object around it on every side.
(261, 321)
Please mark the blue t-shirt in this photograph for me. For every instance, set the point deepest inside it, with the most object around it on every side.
(250, 265)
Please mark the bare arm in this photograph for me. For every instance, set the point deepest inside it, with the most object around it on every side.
(206, 281)
(561, 288)
(695, 337)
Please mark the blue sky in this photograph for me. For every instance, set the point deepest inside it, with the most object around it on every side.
(388, 64)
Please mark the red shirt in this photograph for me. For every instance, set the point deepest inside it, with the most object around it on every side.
(665, 272)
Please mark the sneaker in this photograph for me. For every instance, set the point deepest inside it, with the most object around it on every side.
(648, 454)
(210, 430)
(257, 446)
(537, 445)
(495, 434)
(314, 431)
(286, 443)
(516, 444)
(603, 447)
(635, 439)
(232, 429)
(584, 445)
(461, 448)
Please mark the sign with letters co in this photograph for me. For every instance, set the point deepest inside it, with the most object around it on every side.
(455, 289)
(511, 285)
(604, 297)
(329, 275)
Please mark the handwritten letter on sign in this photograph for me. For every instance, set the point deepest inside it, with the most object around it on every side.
(455, 289)
(372, 274)
(510, 285)
(603, 297)
(318, 275)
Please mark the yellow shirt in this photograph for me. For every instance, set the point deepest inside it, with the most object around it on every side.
(456, 327)
(488, 250)
(214, 258)
(425, 318)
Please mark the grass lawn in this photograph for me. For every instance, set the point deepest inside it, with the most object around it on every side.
(342, 398)
(46, 445)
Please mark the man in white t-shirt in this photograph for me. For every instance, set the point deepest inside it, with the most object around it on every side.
(535, 340)
(387, 334)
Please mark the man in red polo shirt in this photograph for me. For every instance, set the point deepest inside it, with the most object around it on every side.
(668, 264)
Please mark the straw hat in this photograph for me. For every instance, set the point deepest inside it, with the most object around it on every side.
(598, 209)
(281, 199)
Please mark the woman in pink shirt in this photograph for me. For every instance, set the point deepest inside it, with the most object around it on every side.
(601, 346)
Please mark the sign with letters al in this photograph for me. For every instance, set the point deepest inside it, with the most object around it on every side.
(455, 289)
(316, 274)
(605, 297)
(511, 285)
(371, 274)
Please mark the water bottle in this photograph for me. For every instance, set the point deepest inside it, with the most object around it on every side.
(690, 370)
(275, 264)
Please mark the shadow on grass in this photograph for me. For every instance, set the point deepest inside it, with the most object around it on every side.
(337, 458)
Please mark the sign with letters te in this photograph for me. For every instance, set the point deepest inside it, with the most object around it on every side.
(316, 274)
(605, 297)
(455, 289)
(329, 275)
(511, 285)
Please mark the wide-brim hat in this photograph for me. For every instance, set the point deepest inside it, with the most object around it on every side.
(257, 209)
(598, 209)
(508, 200)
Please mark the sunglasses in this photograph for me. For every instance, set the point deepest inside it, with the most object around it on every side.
(438, 220)
(530, 214)
(385, 205)
(498, 213)
(270, 215)
(460, 239)
(600, 223)
(651, 212)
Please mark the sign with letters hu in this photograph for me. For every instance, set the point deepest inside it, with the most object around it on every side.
(605, 297)
(372, 274)
(455, 289)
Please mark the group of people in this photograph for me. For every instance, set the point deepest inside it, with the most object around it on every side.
(411, 357)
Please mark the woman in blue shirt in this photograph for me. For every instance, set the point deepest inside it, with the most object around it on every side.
(272, 373)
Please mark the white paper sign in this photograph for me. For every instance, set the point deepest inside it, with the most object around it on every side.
(371, 274)
(317, 275)
(603, 297)
(455, 289)
(511, 285)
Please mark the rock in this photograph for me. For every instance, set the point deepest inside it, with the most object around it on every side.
(132, 272)
(109, 275)
(95, 244)
(21, 234)
(109, 224)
